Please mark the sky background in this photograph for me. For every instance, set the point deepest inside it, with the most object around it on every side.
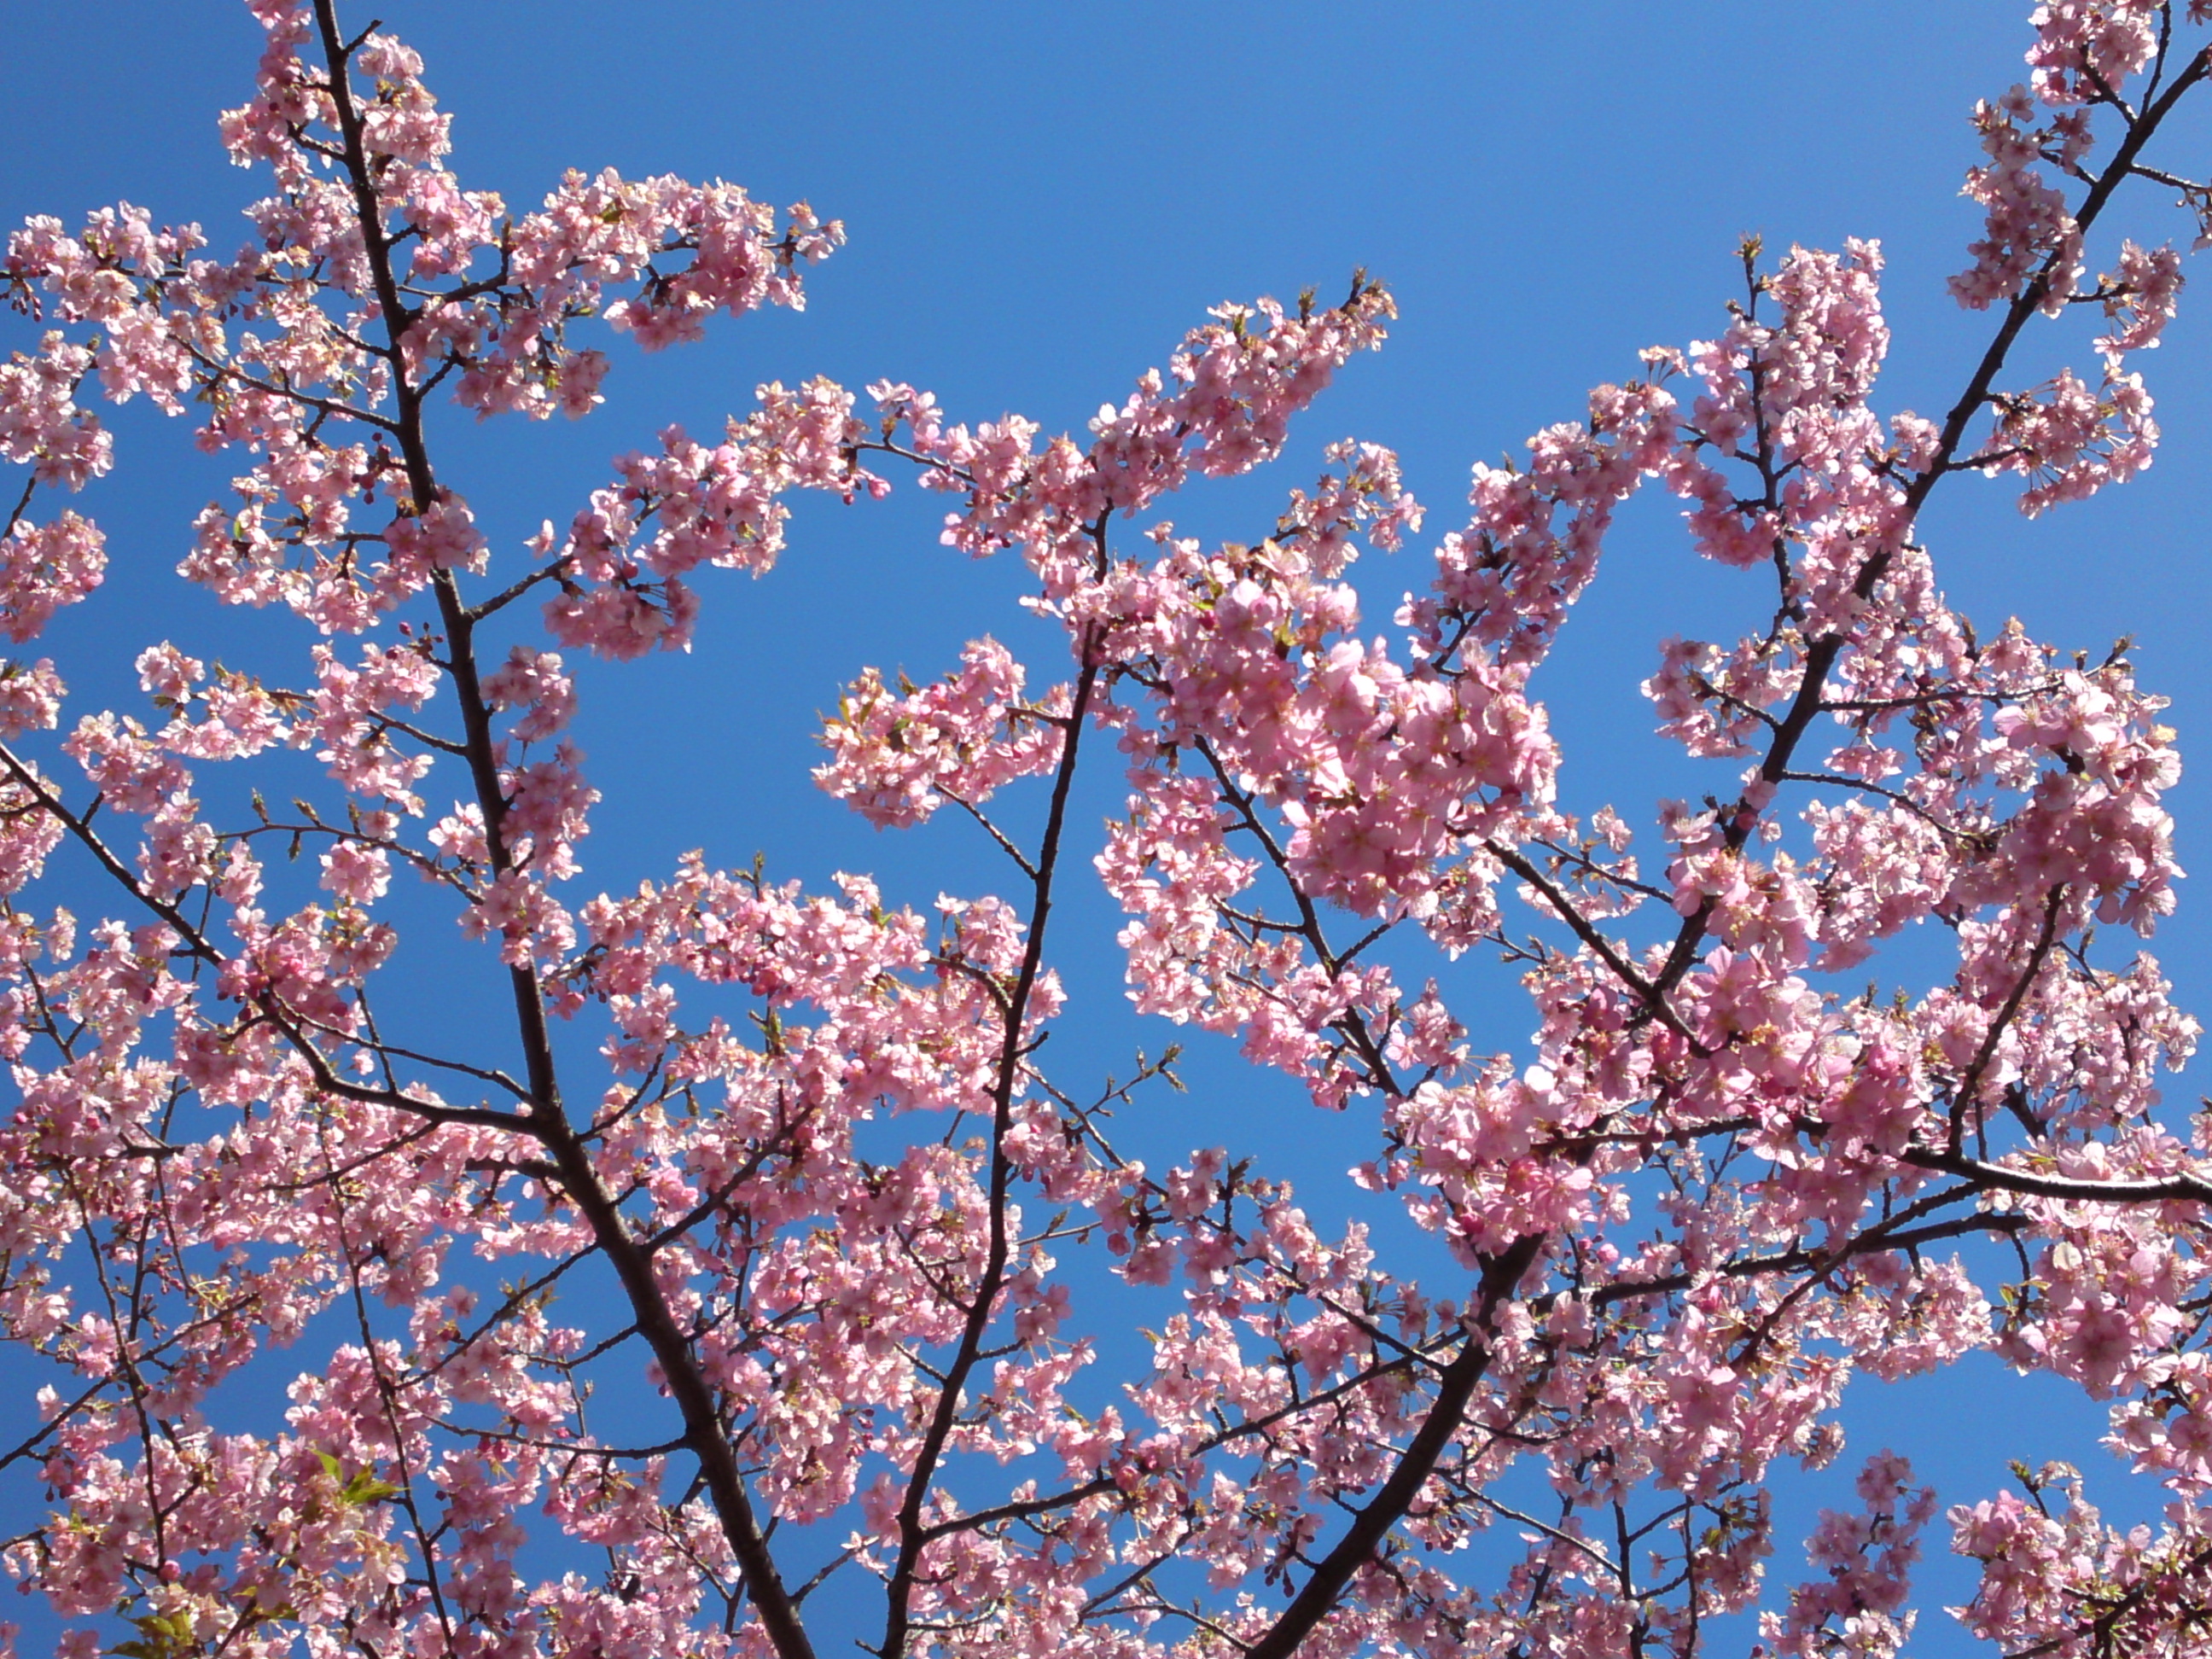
(1041, 202)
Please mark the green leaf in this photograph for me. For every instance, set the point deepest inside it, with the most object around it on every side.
(161, 1636)
(365, 1488)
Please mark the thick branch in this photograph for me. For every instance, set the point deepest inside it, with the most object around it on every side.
(1501, 1276)
(632, 1263)
(2005, 1178)
(1821, 657)
(913, 1534)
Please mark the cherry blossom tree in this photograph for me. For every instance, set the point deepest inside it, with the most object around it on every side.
(889, 1322)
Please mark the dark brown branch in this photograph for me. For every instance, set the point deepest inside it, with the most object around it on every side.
(1970, 1085)
(195, 943)
(2004, 1178)
(1821, 657)
(633, 1265)
(913, 1535)
(1652, 997)
(1501, 1278)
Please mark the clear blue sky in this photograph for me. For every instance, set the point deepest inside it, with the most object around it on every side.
(1040, 200)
